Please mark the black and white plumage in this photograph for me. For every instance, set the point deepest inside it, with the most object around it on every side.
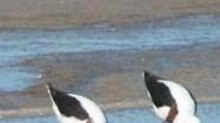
(71, 108)
(171, 101)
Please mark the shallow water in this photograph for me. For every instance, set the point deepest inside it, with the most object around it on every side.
(19, 44)
(206, 112)
(15, 77)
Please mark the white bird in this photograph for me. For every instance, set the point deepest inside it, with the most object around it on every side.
(171, 102)
(71, 108)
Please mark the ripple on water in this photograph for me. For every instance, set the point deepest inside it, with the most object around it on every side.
(205, 112)
(18, 44)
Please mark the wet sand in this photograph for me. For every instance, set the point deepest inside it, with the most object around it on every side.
(113, 78)
(66, 13)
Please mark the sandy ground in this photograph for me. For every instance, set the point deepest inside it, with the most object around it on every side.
(113, 78)
(65, 13)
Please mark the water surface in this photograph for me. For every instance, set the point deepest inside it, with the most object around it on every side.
(208, 113)
(19, 44)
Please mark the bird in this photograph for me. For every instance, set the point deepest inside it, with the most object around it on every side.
(172, 102)
(72, 108)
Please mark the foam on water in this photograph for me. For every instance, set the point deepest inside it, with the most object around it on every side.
(207, 113)
(18, 44)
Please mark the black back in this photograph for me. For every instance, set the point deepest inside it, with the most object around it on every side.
(159, 92)
(67, 105)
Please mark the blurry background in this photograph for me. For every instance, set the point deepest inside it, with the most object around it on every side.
(35, 13)
(99, 48)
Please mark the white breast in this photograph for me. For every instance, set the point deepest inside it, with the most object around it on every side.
(185, 103)
(94, 111)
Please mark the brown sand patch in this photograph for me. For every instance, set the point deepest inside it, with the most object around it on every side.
(65, 13)
(113, 78)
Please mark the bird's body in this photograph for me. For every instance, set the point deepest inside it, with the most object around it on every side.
(171, 102)
(72, 108)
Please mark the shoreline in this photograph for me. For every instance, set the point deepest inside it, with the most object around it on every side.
(85, 73)
(61, 14)
(99, 74)
(47, 111)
